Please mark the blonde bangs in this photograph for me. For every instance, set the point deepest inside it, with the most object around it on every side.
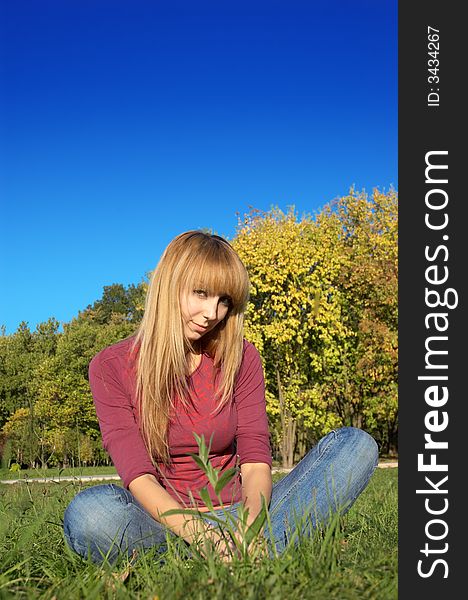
(219, 274)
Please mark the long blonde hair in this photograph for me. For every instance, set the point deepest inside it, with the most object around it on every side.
(193, 260)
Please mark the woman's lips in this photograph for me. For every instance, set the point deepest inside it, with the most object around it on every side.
(199, 328)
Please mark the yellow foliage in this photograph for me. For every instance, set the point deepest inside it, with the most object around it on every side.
(323, 308)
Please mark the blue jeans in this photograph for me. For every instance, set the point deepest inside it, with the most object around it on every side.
(107, 521)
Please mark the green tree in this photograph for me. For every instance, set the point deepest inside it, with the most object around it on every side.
(56, 421)
(118, 300)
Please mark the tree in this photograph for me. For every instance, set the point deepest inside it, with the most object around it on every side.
(293, 317)
(56, 422)
(127, 303)
(363, 386)
(323, 314)
(16, 362)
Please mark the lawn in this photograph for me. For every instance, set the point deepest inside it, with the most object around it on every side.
(357, 559)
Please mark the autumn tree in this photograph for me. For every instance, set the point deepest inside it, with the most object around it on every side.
(323, 314)
(363, 386)
(293, 318)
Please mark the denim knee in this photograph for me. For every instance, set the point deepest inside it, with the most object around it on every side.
(106, 521)
(363, 444)
(91, 522)
(365, 456)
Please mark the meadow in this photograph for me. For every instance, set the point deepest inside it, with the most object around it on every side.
(353, 558)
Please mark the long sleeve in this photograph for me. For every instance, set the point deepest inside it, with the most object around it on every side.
(121, 436)
(252, 435)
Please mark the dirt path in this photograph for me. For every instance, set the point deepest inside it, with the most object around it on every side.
(381, 465)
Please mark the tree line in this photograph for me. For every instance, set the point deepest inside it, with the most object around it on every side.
(323, 313)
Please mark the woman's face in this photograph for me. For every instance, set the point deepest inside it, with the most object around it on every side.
(201, 312)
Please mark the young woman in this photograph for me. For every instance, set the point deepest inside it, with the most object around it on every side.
(188, 370)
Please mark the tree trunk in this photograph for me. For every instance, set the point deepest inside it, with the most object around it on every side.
(288, 427)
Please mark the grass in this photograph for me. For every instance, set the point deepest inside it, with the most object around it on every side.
(356, 559)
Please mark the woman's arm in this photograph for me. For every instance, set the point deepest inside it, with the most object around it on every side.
(156, 501)
(121, 436)
(252, 436)
(256, 491)
(256, 484)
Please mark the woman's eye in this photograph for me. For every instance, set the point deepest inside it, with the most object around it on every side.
(201, 293)
(225, 301)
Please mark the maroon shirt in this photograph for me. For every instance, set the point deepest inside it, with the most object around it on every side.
(238, 432)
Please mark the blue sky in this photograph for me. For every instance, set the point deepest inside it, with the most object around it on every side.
(124, 123)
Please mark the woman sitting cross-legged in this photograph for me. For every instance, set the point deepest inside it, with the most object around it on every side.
(187, 372)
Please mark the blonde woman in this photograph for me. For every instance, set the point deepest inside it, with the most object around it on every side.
(188, 370)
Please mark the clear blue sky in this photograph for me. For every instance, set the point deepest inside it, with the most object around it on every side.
(124, 123)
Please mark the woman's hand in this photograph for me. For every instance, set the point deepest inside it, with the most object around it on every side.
(219, 542)
(216, 541)
(256, 548)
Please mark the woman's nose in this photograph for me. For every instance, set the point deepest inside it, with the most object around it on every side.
(210, 310)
